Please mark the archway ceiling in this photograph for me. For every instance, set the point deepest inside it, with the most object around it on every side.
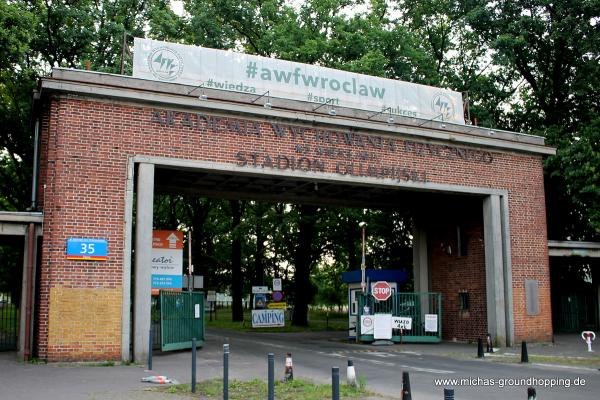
(273, 188)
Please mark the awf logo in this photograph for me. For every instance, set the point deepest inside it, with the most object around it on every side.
(443, 107)
(165, 63)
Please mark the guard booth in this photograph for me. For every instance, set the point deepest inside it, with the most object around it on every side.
(382, 312)
(353, 279)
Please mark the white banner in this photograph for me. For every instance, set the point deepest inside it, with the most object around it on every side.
(227, 70)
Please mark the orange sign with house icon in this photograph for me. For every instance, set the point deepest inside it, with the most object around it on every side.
(167, 240)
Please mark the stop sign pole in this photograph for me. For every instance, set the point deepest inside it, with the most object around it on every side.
(363, 264)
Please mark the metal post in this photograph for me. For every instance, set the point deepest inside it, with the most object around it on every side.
(479, 348)
(405, 394)
(335, 383)
(225, 372)
(524, 354)
(193, 365)
(271, 376)
(448, 394)
(363, 264)
(150, 340)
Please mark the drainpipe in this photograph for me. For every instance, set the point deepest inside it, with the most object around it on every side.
(29, 303)
(36, 156)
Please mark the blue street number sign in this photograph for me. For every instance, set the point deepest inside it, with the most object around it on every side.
(86, 249)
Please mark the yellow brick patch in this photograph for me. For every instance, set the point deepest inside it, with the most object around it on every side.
(84, 320)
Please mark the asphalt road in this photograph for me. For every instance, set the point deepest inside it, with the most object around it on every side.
(382, 367)
(313, 356)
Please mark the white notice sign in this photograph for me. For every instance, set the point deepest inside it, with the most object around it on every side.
(404, 323)
(367, 323)
(277, 287)
(211, 295)
(196, 311)
(267, 318)
(383, 326)
(260, 289)
(431, 323)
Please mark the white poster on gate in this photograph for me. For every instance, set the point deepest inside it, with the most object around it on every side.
(431, 323)
(238, 72)
(383, 326)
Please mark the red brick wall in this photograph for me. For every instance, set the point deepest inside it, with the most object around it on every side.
(452, 274)
(86, 144)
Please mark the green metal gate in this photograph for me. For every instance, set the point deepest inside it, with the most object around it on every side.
(417, 306)
(9, 322)
(181, 319)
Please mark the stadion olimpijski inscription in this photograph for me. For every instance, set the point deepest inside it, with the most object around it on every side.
(318, 150)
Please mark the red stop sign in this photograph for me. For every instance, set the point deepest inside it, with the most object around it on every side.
(381, 290)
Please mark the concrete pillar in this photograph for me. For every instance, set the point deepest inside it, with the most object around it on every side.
(494, 269)
(421, 270)
(507, 258)
(143, 260)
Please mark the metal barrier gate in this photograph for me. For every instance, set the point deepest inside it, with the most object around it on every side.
(181, 319)
(9, 323)
(423, 309)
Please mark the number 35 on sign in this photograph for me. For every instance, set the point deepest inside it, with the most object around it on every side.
(86, 249)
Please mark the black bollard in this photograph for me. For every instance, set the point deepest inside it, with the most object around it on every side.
(335, 383)
(271, 376)
(479, 348)
(448, 394)
(225, 372)
(405, 394)
(150, 350)
(524, 355)
(193, 365)
(531, 394)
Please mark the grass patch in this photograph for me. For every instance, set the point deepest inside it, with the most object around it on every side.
(318, 320)
(257, 390)
(103, 364)
(581, 361)
(533, 358)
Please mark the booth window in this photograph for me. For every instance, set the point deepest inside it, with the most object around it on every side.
(463, 301)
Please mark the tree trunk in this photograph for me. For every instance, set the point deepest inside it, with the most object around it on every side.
(351, 236)
(259, 253)
(302, 260)
(237, 311)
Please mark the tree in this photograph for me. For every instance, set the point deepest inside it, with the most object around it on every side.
(555, 47)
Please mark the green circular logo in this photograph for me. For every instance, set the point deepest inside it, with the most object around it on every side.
(165, 63)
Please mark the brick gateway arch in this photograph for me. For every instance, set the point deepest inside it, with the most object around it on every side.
(105, 137)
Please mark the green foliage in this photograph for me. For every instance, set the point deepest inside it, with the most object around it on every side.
(527, 65)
